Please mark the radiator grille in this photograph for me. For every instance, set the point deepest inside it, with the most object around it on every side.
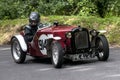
(81, 40)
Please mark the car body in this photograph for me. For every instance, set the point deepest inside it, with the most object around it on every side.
(59, 42)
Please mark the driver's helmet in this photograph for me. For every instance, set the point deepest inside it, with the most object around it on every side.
(34, 19)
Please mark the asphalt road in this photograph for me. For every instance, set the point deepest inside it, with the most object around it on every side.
(42, 69)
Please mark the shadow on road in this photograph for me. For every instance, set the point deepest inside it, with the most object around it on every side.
(38, 60)
(47, 61)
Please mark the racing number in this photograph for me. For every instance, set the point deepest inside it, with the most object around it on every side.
(42, 43)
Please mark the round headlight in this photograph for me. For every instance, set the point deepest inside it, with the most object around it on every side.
(68, 35)
(93, 32)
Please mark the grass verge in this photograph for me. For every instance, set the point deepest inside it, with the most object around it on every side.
(111, 24)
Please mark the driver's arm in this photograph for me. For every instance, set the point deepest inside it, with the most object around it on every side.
(28, 35)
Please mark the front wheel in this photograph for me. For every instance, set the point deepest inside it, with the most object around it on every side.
(57, 54)
(17, 53)
(102, 48)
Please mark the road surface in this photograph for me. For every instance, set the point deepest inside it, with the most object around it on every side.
(42, 69)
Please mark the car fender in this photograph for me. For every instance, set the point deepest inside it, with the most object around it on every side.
(102, 31)
(57, 38)
(21, 41)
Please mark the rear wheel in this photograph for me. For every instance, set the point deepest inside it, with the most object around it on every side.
(17, 53)
(57, 55)
(102, 48)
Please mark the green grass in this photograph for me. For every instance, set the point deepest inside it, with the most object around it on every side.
(110, 24)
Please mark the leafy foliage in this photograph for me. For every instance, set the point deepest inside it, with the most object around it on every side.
(11, 9)
(8, 28)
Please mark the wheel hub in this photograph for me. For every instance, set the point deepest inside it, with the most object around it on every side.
(16, 50)
(55, 55)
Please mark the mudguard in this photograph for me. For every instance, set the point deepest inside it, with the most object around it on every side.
(21, 41)
(102, 31)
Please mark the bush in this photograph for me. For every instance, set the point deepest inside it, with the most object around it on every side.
(12, 9)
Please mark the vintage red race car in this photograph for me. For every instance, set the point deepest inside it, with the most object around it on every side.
(59, 42)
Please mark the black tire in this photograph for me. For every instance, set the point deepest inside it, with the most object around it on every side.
(102, 48)
(18, 54)
(57, 59)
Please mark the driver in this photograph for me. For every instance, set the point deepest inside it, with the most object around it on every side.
(31, 28)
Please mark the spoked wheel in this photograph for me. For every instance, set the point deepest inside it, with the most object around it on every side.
(57, 55)
(17, 53)
(102, 48)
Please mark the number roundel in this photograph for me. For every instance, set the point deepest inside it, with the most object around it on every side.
(42, 42)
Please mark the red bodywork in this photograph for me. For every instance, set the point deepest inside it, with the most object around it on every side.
(60, 31)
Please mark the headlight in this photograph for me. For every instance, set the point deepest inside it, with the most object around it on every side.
(94, 32)
(68, 35)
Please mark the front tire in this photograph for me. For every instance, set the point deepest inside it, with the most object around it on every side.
(57, 54)
(18, 54)
(102, 48)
